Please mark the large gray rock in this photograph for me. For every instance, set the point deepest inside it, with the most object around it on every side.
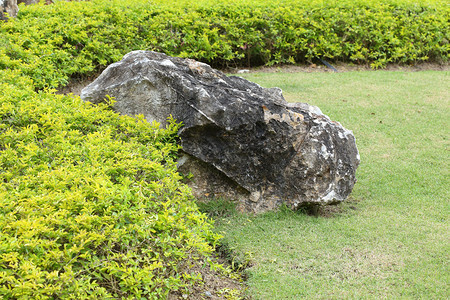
(10, 7)
(240, 140)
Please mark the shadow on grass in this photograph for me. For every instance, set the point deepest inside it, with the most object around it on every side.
(223, 208)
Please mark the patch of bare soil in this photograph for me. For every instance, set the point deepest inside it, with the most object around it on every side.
(75, 85)
(215, 285)
(330, 211)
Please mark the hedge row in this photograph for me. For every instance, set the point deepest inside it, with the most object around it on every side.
(53, 43)
(91, 204)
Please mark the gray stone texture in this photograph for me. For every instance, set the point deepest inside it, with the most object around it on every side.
(8, 8)
(240, 140)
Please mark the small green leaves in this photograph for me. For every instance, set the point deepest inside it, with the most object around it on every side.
(91, 203)
(52, 44)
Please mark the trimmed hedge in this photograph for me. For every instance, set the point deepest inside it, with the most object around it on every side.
(91, 205)
(53, 43)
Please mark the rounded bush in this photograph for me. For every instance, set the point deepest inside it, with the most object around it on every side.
(91, 204)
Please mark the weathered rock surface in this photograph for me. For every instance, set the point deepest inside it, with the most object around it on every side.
(241, 141)
(10, 7)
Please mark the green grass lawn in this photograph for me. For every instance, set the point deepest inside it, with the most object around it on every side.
(391, 239)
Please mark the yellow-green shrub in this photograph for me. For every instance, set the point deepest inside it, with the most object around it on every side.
(91, 205)
(52, 43)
